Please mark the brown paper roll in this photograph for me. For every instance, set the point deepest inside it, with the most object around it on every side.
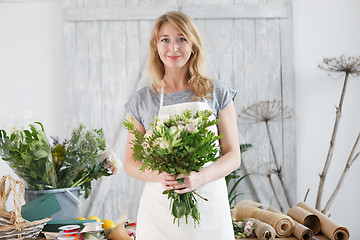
(306, 218)
(283, 225)
(263, 231)
(300, 231)
(329, 228)
(321, 237)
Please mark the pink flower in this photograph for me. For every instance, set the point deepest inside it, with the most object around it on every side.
(145, 145)
(180, 122)
(249, 223)
(248, 230)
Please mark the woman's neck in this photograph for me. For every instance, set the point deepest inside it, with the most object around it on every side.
(175, 80)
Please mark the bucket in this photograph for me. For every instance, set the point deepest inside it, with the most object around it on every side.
(68, 199)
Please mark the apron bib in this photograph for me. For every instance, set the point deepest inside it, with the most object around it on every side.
(154, 220)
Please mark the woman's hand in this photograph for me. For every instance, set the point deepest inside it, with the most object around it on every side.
(191, 182)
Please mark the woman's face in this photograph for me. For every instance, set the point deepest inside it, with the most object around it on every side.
(173, 48)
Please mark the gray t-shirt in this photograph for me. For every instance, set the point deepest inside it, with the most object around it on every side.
(145, 103)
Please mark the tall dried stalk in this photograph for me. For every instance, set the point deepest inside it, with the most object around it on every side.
(349, 162)
(274, 191)
(266, 111)
(349, 65)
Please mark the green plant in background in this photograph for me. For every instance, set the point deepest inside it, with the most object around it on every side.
(234, 176)
(73, 163)
(29, 152)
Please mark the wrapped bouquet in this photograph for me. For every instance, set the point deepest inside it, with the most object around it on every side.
(177, 145)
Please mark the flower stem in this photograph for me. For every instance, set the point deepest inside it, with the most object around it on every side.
(200, 196)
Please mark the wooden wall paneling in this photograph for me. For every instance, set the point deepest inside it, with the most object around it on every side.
(288, 98)
(70, 89)
(248, 95)
(95, 81)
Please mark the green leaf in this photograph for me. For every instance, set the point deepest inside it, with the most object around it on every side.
(41, 154)
(33, 174)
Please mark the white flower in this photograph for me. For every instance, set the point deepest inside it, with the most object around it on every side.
(164, 118)
(164, 144)
(191, 128)
(181, 127)
(159, 125)
(112, 162)
(173, 130)
(240, 224)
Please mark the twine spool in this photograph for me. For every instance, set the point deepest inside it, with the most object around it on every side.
(70, 232)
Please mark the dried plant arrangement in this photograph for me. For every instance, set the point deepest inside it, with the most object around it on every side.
(349, 66)
(265, 112)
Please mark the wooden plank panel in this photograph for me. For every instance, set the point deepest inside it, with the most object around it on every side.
(288, 99)
(95, 81)
(115, 13)
(227, 11)
(70, 90)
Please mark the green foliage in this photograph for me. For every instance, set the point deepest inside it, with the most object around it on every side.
(177, 145)
(236, 178)
(72, 163)
(29, 153)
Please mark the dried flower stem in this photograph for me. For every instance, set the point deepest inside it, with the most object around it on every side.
(332, 145)
(349, 162)
(277, 165)
(275, 194)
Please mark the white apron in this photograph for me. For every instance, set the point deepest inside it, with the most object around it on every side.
(154, 220)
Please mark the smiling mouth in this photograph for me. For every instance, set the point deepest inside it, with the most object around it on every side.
(174, 57)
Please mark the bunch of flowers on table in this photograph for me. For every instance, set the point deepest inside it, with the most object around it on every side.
(244, 228)
(177, 145)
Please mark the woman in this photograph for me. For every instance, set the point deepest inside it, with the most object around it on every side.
(177, 66)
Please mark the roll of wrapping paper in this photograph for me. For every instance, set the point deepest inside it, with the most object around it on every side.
(283, 225)
(300, 231)
(328, 227)
(263, 231)
(305, 217)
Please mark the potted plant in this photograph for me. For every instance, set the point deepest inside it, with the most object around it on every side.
(71, 164)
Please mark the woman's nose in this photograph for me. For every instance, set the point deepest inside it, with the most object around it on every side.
(174, 47)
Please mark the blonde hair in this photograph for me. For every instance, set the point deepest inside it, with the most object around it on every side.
(198, 81)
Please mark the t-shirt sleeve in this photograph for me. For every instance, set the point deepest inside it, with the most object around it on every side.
(132, 107)
(223, 94)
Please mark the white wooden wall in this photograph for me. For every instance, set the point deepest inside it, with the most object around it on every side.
(249, 45)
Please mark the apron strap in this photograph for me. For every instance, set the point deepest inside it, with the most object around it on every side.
(161, 96)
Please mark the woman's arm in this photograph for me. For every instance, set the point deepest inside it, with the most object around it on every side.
(132, 167)
(229, 161)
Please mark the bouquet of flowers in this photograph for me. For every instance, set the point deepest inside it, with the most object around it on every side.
(177, 145)
(72, 163)
(244, 228)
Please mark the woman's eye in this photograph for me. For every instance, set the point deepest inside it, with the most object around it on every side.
(164, 40)
(182, 40)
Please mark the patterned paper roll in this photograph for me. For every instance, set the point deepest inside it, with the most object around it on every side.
(329, 228)
(263, 231)
(300, 231)
(283, 225)
(306, 218)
